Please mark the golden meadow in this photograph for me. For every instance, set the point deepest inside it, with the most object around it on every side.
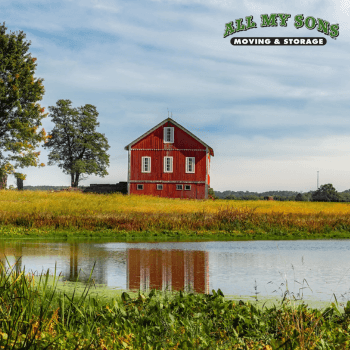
(76, 213)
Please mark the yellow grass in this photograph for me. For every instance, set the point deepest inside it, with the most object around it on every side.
(70, 203)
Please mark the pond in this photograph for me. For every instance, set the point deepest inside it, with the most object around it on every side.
(314, 269)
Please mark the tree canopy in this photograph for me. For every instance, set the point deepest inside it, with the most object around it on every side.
(326, 193)
(20, 112)
(74, 142)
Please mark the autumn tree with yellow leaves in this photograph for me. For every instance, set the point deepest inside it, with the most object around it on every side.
(20, 112)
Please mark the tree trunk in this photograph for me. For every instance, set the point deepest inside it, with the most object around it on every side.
(19, 184)
(3, 181)
(76, 183)
(72, 179)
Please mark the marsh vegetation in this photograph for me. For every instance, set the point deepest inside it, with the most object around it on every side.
(36, 314)
(75, 213)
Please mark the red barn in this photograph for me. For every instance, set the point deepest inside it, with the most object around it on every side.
(169, 161)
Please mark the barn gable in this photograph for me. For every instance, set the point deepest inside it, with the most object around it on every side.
(182, 138)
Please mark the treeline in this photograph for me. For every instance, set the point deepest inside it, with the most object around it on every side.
(247, 195)
(326, 193)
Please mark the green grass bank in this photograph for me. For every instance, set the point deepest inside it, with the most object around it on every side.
(37, 314)
(22, 232)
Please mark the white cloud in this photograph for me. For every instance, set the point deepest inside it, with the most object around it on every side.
(264, 107)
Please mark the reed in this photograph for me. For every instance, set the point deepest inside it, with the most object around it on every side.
(65, 203)
(35, 314)
(76, 211)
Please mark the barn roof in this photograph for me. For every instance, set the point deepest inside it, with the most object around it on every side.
(179, 126)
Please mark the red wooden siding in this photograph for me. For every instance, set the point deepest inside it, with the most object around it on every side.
(157, 165)
(185, 145)
(169, 190)
(155, 140)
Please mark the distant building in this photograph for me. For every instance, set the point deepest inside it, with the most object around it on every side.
(169, 161)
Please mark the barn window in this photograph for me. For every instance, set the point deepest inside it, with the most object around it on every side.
(169, 135)
(159, 187)
(140, 187)
(168, 164)
(189, 164)
(146, 164)
(179, 187)
(187, 187)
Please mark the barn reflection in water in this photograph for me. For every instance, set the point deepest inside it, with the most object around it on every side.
(143, 269)
(168, 270)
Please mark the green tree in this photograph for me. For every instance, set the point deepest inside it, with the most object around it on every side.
(230, 196)
(74, 142)
(326, 193)
(211, 194)
(345, 196)
(20, 112)
(299, 197)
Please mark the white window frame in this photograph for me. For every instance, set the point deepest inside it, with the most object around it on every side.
(159, 187)
(179, 187)
(187, 187)
(143, 166)
(165, 165)
(188, 165)
(165, 135)
(139, 187)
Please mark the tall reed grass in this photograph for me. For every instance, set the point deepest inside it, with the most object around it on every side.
(66, 203)
(72, 210)
(34, 314)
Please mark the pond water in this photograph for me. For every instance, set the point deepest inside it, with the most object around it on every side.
(312, 269)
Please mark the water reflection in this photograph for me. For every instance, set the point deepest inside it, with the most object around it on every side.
(234, 267)
(16, 251)
(168, 270)
(82, 261)
(144, 268)
(73, 260)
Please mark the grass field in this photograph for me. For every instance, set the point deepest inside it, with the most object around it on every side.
(59, 213)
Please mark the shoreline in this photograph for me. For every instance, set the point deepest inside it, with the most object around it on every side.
(107, 292)
(24, 233)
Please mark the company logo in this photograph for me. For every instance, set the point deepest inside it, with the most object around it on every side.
(280, 19)
(278, 41)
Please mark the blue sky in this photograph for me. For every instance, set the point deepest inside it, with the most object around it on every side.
(273, 115)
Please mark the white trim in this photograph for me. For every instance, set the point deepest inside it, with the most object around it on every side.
(139, 189)
(206, 174)
(129, 168)
(160, 187)
(165, 164)
(188, 165)
(143, 165)
(165, 134)
(188, 188)
(208, 164)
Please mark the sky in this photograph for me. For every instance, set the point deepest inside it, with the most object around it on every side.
(274, 115)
